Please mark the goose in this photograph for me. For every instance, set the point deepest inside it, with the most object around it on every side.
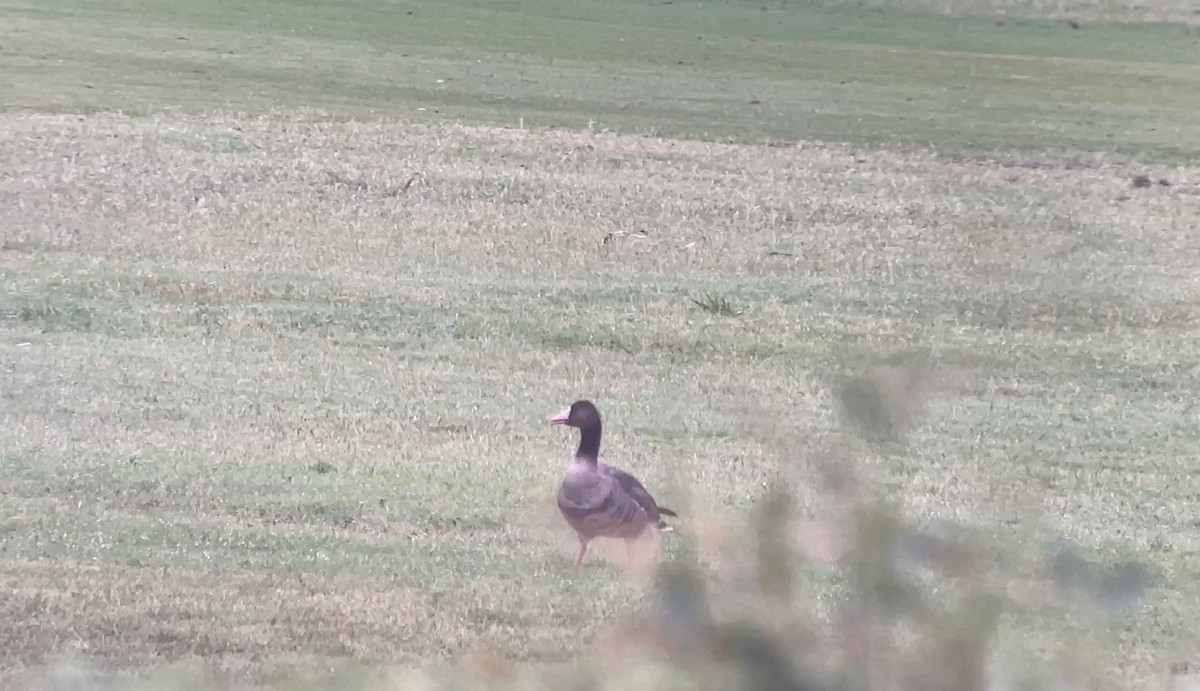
(597, 499)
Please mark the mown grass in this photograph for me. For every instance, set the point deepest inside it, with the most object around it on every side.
(229, 372)
(274, 384)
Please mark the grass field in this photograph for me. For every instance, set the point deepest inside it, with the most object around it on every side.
(710, 70)
(289, 290)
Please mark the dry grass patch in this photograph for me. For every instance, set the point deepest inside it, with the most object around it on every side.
(1081, 11)
(230, 619)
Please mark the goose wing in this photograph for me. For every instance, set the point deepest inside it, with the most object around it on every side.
(631, 486)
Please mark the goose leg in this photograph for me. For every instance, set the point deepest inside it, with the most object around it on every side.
(583, 544)
(629, 553)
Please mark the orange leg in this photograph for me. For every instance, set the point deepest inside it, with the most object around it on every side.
(629, 553)
(582, 551)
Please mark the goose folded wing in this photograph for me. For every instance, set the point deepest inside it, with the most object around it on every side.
(632, 487)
